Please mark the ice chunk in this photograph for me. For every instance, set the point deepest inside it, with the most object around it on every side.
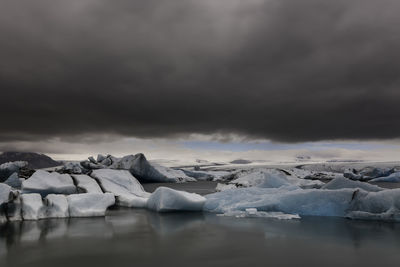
(87, 183)
(14, 181)
(345, 202)
(72, 167)
(342, 182)
(45, 183)
(145, 171)
(272, 178)
(123, 185)
(128, 191)
(32, 207)
(253, 213)
(5, 193)
(5, 196)
(222, 187)
(14, 207)
(89, 204)
(166, 199)
(393, 178)
(56, 206)
(100, 158)
(6, 169)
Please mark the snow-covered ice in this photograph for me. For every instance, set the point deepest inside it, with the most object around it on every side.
(8, 168)
(86, 183)
(89, 204)
(45, 183)
(166, 199)
(32, 207)
(123, 185)
(340, 183)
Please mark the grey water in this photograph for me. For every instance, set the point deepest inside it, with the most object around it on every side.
(134, 237)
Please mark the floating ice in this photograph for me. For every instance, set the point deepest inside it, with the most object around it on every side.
(5, 193)
(341, 202)
(14, 208)
(393, 178)
(254, 213)
(89, 204)
(56, 206)
(123, 185)
(166, 199)
(14, 181)
(45, 183)
(87, 184)
(32, 207)
(340, 183)
(6, 169)
(272, 178)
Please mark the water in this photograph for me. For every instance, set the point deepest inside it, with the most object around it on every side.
(129, 237)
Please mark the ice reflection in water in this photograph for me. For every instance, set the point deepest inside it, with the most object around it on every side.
(138, 237)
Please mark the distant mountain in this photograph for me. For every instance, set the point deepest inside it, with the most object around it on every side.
(35, 160)
(240, 161)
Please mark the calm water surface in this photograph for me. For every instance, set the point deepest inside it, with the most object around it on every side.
(129, 237)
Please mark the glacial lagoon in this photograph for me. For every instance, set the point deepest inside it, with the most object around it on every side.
(137, 237)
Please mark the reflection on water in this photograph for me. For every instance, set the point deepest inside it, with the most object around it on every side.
(143, 238)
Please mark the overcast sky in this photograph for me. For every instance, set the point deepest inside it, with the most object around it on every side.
(91, 73)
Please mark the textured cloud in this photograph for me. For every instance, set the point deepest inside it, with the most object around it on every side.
(283, 70)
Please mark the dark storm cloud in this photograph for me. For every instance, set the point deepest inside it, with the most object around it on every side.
(280, 69)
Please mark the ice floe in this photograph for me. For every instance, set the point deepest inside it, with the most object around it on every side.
(33, 207)
(56, 206)
(8, 168)
(254, 213)
(45, 183)
(166, 199)
(89, 204)
(341, 202)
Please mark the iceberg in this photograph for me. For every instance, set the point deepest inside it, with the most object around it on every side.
(5, 193)
(356, 203)
(86, 184)
(45, 183)
(143, 170)
(32, 207)
(89, 204)
(393, 178)
(56, 206)
(128, 191)
(340, 183)
(14, 181)
(272, 178)
(14, 207)
(166, 199)
(7, 169)
(5, 197)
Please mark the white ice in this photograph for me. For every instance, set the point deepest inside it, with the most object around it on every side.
(89, 204)
(340, 202)
(14, 181)
(393, 178)
(342, 182)
(32, 207)
(45, 183)
(166, 199)
(87, 183)
(56, 206)
(123, 185)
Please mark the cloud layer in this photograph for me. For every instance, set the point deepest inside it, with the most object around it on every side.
(283, 70)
